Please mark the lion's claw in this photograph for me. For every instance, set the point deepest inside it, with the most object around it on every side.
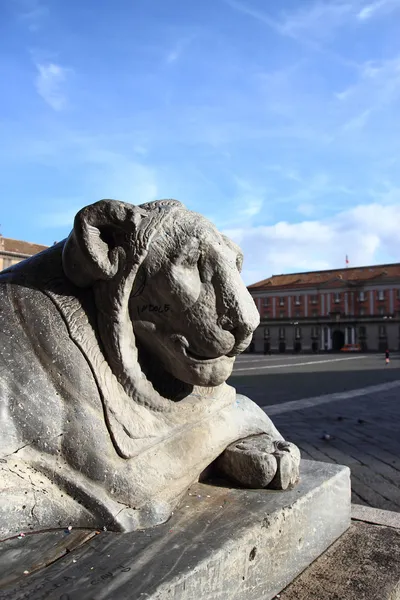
(259, 462)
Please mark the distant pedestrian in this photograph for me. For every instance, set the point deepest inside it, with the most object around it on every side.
(387, 359)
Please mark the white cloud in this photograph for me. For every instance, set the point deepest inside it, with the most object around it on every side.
(367, 234)
(50, 82)
(376, 8)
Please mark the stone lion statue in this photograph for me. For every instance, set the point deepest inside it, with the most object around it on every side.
(115, 347)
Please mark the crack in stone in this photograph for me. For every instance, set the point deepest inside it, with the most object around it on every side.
(35, 501)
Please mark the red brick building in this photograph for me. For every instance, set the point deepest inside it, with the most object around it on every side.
(13, 251)
(324, 310)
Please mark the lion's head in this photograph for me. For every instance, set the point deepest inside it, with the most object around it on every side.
(167, 284)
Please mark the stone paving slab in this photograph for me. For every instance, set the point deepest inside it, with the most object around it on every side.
(359, 429)
(364, 564)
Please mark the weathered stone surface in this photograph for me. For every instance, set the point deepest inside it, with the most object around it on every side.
(364, 564)
(259, 461)
(222, 544)
(115, 346)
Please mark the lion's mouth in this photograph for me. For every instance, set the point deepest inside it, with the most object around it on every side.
(191, 355)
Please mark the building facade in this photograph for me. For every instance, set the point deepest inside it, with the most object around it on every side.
(324, 310)
(13, 251)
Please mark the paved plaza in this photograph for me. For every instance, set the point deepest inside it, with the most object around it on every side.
(336, 408)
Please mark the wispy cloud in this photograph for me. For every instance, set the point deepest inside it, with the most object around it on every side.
(286, 172)
(32, 12)
(107, 174)
(63, 218)
(256, 14)
(309, 26)
(319, 19)
(377, 87)
(177, 51)
(359, 121)
(49, 82)
(377, 8)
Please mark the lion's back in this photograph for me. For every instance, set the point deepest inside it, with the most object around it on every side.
(47, 389)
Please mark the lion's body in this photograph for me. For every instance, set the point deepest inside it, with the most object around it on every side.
(74, 448)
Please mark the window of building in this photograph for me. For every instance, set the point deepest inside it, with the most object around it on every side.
(297, 314)
(362, 331)
(281, 333)
(297, 300)
(297, 333)
(382, 331)
(336, 297)
(281, 315)
(362, 312)
(266, 333)
(7, 262)
(314, 299)
(314, 332)
(265, 302)
(381, 294)
(281, 301)
(361, 296)
(381, 311)
(314, 313)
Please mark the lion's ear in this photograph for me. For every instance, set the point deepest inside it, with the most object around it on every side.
(90, 252)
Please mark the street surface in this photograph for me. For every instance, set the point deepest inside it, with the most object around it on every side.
(336, 408)
(279, 378)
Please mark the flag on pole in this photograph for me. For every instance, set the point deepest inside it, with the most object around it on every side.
(347, 261)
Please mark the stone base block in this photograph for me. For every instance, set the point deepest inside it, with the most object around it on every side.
(221, 544)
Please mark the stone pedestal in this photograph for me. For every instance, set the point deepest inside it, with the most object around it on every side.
(222, 543)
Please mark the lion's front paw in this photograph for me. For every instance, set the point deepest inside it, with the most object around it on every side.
(259, 462)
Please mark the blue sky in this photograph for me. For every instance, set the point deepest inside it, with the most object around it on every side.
(280, 121)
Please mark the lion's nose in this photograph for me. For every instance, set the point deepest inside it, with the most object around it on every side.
(238, 330)
(241, 324)
(238, 313)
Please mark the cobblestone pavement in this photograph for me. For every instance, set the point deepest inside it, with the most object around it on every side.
(363, 433)
(353, 402)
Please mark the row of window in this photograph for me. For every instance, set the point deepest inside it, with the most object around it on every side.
(316, 331)
(361, 312)
(8, 262)
(337, 298)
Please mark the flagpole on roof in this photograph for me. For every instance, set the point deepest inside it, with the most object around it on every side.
(347, 261)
